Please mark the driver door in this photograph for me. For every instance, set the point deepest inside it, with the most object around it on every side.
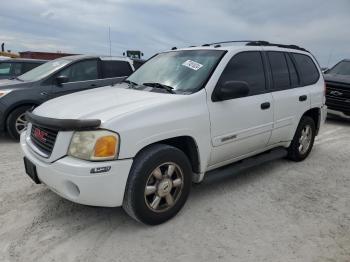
(242, 125)
(81, 76)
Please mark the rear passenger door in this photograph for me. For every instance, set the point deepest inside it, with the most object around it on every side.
(291, 97)
(241, 125)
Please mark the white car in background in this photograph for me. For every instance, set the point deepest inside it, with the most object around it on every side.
(185, 112)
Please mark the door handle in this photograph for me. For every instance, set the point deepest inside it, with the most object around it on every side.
(302, 98)
(43, 94)
(93, 85)
(265, 105)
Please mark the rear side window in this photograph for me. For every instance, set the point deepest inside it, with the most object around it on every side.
(247, 67)
(279, 68)
(307, 69)
(16, 69)
(294, 78)
(5, 69)
(115, 69)
(137, 64)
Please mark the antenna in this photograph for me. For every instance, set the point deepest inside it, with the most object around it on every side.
(110, 43)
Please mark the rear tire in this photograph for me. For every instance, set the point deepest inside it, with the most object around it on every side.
(303, 140)
(16, 122)
(158, 185)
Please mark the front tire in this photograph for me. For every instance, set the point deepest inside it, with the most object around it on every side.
(16, 122)
(158, 185)
(303, 140)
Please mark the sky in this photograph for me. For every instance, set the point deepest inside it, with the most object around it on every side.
(81, 26)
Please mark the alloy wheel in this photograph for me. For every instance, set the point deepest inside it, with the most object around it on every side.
(164, 187)
(21, 123)
(305, 139)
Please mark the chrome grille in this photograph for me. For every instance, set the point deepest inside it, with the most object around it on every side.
(43, 139)
(338, 97)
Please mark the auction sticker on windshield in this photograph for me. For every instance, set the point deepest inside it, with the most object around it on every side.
(192, 64)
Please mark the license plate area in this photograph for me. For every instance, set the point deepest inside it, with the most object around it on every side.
(31, 170)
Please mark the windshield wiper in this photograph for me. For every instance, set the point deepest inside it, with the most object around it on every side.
(16, 78)
(131, 83)
(169, 89)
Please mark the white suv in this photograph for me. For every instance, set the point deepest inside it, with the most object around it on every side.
(183, 113)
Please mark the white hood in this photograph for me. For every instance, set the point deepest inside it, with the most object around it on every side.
(102, 103)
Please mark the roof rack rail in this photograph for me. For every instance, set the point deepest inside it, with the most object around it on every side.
(234, 41)
(265, 43)
(257, 43)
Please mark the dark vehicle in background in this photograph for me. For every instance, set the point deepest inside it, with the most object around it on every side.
(11, 68)
(56, 78)
(338, 89)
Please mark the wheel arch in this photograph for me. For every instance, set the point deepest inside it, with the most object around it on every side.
(186, 144)
(315, 114)
(14, 107)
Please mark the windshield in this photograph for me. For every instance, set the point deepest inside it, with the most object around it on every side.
(182, 71)
(342, 68)
(43, 70)
(5, 69)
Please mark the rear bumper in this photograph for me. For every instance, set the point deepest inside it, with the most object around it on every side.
(337, 113)
(72, 179)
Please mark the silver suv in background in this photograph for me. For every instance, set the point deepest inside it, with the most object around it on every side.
(11, 68)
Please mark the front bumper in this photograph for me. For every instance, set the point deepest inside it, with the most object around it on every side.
(2, 117)
(71, 178)
(338, 113)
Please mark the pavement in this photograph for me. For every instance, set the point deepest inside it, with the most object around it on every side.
(277, 211)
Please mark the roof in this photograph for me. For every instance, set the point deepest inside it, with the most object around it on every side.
(79, 57)
(25, 60)
(39, 52)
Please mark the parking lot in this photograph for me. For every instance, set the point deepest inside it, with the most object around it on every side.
(278, 211)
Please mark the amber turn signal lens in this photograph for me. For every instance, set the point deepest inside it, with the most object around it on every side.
(105, 146)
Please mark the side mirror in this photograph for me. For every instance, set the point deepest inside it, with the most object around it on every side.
(60, 80)
(230, 90)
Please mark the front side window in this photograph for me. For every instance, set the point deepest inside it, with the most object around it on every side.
(44, 70)
(342, 68)
(247, 67)
(279, 68)
(307, 69)
(185, 71)
(81, 71)
(5, 69)
(29, 66)
(115, 69)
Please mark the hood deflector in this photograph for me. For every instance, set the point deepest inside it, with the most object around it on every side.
(63, 124)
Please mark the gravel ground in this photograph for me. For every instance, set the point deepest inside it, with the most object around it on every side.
(278, 211)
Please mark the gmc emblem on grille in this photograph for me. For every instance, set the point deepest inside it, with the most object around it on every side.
(336, 93)
(39, 134)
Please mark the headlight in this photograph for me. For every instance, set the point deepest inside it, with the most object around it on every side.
(95, 145)
(4, 92)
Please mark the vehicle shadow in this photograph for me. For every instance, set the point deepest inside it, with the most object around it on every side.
(114, 218)
(338, 121)
(4, 138)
